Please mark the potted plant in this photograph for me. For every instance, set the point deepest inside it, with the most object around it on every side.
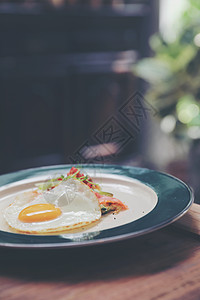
(173, 76)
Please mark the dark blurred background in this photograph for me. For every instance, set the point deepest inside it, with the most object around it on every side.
(77, 85)
(65, 68)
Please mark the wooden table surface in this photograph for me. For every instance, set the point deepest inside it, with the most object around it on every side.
(161, 265)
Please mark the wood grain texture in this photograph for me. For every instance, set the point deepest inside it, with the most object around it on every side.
(163, 265)
(191, 220)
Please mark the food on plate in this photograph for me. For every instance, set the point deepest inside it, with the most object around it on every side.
(106, 200)
(70, 205)
(60, 204)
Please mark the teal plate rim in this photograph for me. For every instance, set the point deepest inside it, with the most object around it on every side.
(174, 199)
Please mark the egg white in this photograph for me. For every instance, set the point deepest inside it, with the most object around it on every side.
(78, 204)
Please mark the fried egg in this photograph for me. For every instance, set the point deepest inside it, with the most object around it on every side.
(70, 205)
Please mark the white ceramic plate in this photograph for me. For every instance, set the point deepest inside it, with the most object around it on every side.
(154, 200)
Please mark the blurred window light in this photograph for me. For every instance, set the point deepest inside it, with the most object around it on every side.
(194, 132)
(100, 150)
(197, 40)
(168, 123)
(57, 2)
(170, 12)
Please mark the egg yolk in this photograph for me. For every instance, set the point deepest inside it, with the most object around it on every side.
(39, 213)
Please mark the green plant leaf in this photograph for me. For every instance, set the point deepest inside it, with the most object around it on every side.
(152, 70)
